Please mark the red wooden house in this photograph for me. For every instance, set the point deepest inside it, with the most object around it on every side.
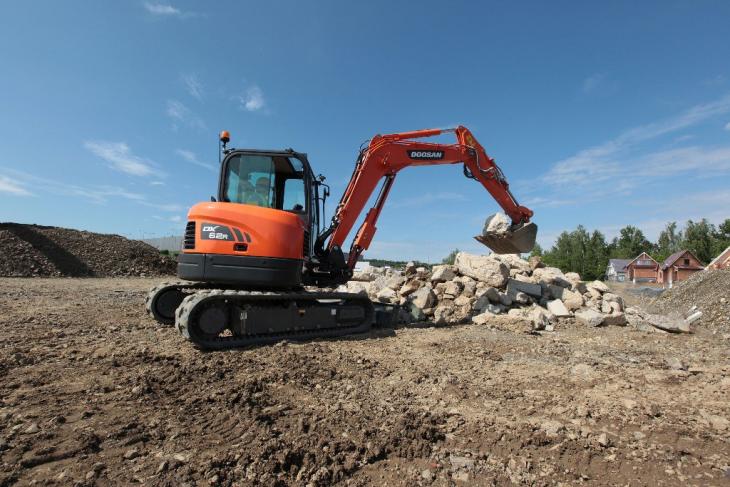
(678, 267)
(642, 269)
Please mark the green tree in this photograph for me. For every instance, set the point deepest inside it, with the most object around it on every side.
(579, 251)
(596, 258)
(669, 242)
(699, 238)
(721, 237)
(451, 258)
(537, 250)
(630, 243)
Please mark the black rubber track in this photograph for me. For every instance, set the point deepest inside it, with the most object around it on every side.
(188, 311)
(152, 304)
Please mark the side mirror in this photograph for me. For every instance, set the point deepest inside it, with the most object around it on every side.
(212, 199)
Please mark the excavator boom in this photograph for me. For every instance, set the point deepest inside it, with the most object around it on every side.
(386, 155)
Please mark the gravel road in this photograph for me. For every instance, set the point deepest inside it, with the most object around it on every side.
(93, 392)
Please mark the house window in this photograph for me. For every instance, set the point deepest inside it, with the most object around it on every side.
(686, 261)
(643, 262)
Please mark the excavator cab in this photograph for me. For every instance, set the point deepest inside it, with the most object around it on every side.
(259, 230)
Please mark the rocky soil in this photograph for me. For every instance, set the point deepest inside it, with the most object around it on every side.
(92, 392)
(33, 250)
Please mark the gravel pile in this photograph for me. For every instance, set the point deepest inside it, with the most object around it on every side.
(38, 251)
(708, 290)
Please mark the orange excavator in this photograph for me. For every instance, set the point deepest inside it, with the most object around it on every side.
(252, 256)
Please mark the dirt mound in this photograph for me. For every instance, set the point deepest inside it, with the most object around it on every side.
(429, 407)
(34, 251)
(708, 290)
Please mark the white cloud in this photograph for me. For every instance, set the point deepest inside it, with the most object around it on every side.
(193, 86)
(163, 9)
(120, 157)
(592, 166)
(8, 185)
(253, 100)
(193, 159)
(176, 219)
(157, 183)
(100, 194)
(179, 113)
(727, 126)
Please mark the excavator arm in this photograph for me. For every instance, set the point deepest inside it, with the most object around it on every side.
(386, 155)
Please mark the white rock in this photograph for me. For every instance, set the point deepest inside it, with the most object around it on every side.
(498, 223)
(442, 273)
(423, 298)
(589, 317)
(551, 275)
(453, 289)
(482, 268)
(557, 308)
(387, 295)
(572, 300)
(598, 286)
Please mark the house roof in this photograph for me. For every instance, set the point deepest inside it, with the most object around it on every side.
(643, 253)
(724, 255)
(619, 264)
(675, 256)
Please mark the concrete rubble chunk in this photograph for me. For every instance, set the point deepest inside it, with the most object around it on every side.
(515, 262)
(453, 288)
(598, 286)
(521, 298)
(499, 223)
(505, 299)
(535, 262)
(395, 282)
(387, 295)
(551, 275)
(514, 286)
(482, 268)
(541, 318)
(423, 298)
(614, 319)
(409, 287)
(572, 277)
(410, 269)
(672, 323)
(557, 308)
(443, 273)
(463, 300)
(572, 300)
(589, 317)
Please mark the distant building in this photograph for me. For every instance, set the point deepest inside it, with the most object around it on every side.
(678, 267)
(722, 261)
(642, 268)
(616, 269)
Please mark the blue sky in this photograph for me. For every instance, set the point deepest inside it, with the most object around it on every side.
(600, 113)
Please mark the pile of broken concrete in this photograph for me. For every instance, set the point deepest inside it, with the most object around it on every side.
(502, 291)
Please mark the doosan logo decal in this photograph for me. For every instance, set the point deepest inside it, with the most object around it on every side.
(426, 154)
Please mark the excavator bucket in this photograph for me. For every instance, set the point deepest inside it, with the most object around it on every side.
(518, 239)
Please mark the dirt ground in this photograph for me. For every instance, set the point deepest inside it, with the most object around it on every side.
(93, 392)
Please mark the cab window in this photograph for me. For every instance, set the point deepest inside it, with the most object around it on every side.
(268, 181)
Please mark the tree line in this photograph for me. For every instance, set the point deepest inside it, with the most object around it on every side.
(588, 253)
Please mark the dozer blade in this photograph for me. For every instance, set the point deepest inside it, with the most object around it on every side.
(518, 240)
